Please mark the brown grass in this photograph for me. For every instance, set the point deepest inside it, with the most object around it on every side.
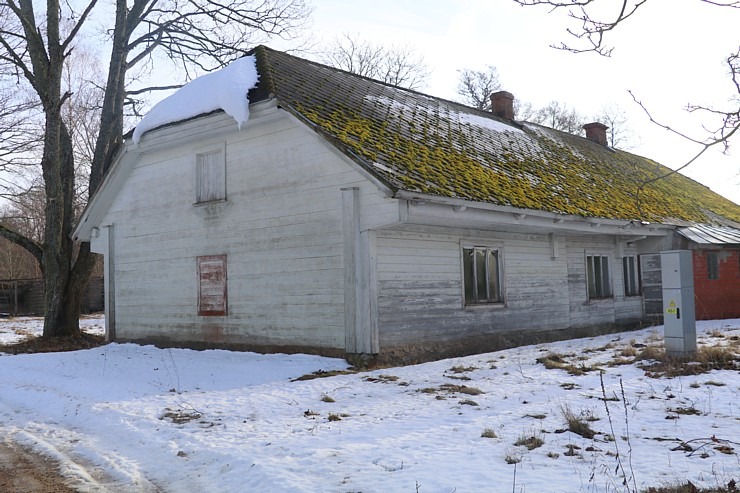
(705, 360)
(54, 345)
(689, 487)
(489, 433)
(531, 442)
(555, 361)
(578, 424)
(462, 389)
(323, 374)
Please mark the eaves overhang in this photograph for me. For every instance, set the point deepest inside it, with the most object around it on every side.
(424, 209)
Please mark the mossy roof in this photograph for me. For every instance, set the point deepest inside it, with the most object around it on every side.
(418, 143)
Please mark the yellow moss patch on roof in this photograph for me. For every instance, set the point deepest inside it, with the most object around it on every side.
(423, 144)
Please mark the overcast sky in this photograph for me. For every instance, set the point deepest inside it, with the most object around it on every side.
(669, 55)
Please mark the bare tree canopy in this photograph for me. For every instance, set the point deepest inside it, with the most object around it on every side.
(619, 134)
(37, 40)
(560, 117)
(476, 86)
(398, 66)
(590, 35)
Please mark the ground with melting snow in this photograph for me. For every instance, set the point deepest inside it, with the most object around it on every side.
(128, 418)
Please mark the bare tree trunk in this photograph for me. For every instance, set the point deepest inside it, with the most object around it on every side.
(58, 167)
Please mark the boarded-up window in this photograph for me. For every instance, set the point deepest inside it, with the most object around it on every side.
(210, 176)
(597, 276)
(482, 276)
(212, 295)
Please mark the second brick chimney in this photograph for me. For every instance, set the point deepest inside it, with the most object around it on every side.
(502, 104)
(596, 132)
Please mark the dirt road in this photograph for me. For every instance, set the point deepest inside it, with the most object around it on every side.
(22, 471)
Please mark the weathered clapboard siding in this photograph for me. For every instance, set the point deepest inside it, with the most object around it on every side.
(420, 297)
(280, 227)
(617, 309)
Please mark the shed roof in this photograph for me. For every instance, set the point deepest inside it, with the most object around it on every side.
(704, 234)
(418, 143)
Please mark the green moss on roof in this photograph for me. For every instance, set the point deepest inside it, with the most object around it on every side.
(417, 143)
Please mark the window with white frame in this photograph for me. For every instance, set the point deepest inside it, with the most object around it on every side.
(482, 275)
(597, 277)
(631, 276)
(210, 176)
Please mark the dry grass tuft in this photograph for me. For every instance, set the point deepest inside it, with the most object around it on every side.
(489, 433)
(323, 374)
(462, 389)
(555, 361)
(578, 423)
(531, 442)
(687, 411)
(462, 369)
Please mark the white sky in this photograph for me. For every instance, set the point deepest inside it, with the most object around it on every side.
(669, 56)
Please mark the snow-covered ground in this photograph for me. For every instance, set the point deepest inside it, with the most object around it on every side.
(140, 419)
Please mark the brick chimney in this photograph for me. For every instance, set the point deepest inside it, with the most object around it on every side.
(502, 104)
(596, 132)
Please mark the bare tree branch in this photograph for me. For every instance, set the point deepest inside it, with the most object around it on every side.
(26, 243)
(594, 30)
(394, 65)
(78, 121)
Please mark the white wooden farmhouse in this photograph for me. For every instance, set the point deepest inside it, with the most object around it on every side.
(350, 217)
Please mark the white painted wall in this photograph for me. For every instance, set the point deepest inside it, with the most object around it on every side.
(280, 227)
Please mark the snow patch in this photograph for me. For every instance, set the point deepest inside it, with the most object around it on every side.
(224, 89)
(463, 118)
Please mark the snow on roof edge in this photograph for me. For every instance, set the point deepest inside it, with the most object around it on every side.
(224, 89)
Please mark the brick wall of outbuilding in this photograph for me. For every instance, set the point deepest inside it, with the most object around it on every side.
(717, 298)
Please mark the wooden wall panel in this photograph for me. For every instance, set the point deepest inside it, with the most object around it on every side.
(280, 227)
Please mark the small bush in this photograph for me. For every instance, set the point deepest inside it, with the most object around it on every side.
(327, 398)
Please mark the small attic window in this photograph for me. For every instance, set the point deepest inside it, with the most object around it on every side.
(210, 176)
